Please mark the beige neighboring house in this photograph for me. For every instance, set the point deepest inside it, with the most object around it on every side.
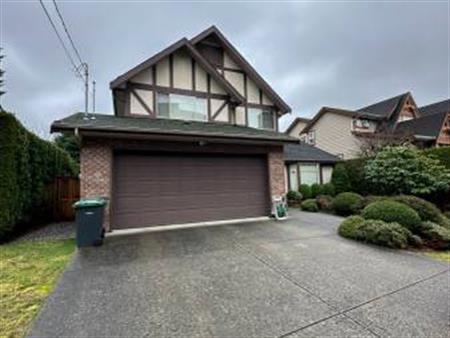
(342, 132)
(193, 138)
(296, 127)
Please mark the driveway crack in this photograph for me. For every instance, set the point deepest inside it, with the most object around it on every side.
(271, 265)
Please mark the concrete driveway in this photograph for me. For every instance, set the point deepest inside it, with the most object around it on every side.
(279, 279)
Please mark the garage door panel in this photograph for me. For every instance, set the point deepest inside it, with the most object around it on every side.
(166, 189)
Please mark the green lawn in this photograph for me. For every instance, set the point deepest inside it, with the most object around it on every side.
(28, 273)
(440, 255)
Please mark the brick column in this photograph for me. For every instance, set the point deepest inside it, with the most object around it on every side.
(96, 174)
(275, 160)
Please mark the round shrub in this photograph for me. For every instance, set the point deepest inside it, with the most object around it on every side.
(316, 190)
(391, 235)
(328, 189)
(293, 197)
(427, 211)
(349, 227)
(373, 198)
(435, 236)
(325, 202)
(447, 214)
(391, 211)
(305, 190)
(347, 203)
(310, 205)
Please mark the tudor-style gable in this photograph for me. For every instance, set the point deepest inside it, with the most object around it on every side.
(203, 79)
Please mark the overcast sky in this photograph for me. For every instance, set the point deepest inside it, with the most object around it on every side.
(341, 54)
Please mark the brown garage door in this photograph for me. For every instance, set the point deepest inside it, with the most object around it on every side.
(158, 189)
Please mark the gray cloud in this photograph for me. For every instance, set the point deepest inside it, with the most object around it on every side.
(314, 54)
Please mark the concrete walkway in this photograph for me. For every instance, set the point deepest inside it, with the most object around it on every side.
(295, 278)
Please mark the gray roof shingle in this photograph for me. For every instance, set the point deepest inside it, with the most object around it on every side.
(111, 123)
(438, 107)
(428, 125)
(384, 108)
(303, 152)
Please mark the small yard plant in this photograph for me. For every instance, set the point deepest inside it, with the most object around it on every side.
(391, 211)
(28, 273)
(310, 205)
(435, 236)
(294, 197)
(347, 203)
(427, 211)
(305, 190)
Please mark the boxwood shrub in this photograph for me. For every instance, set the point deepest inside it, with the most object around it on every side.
(391, 211)
(305, 190)
(347, 203)
(310, 205)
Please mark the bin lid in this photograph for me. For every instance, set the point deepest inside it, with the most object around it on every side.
(90, 202)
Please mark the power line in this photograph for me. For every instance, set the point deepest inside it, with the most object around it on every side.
(69, 56)
(67, 31)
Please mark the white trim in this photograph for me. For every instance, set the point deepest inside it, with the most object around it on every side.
(158, 228)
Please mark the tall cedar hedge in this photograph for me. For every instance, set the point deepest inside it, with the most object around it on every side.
(27, 165)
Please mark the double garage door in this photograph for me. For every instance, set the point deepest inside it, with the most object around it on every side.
(161, 189)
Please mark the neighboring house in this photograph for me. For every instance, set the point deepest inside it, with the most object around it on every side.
(194, 137)
(296, 127)
(342, 132)
(306, 164)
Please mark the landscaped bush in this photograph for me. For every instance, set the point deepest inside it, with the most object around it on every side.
(293, 197)
(391, 211)
(305, 190)
(391, 235)
(447, 214)
(373, 198)
(325, 202)
(435, 236)
(347, 203)
(406, 170)
(328, 189)
(340, 179)
(310, 205)
(316, 190)
(27, 164)
(427, 211)
(349, 227)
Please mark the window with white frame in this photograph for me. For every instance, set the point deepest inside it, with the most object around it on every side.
(259, 118)
(309, 173)
(181, 107)
(311, 137)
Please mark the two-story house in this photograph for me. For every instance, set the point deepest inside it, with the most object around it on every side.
(343, 132)
(194, 138)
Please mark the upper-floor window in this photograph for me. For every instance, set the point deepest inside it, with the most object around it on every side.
(361, 124)
(259, 118)
(182, 107)
(309, 137)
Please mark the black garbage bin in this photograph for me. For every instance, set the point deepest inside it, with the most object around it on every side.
(89, 219)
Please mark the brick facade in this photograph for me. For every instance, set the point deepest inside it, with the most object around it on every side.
(275, 165)
(96, 166)
(96, 173)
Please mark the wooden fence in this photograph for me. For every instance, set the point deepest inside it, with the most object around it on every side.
(63, 193)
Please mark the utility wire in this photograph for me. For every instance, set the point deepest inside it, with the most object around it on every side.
(67, 32)
(69, 56)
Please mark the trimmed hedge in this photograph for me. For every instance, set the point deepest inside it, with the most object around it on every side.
(328, 189)
(391, 211)
(350, 176)
(27, 164)
(310, 205)
(347, 203)
(316, 190)
(391, 235)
